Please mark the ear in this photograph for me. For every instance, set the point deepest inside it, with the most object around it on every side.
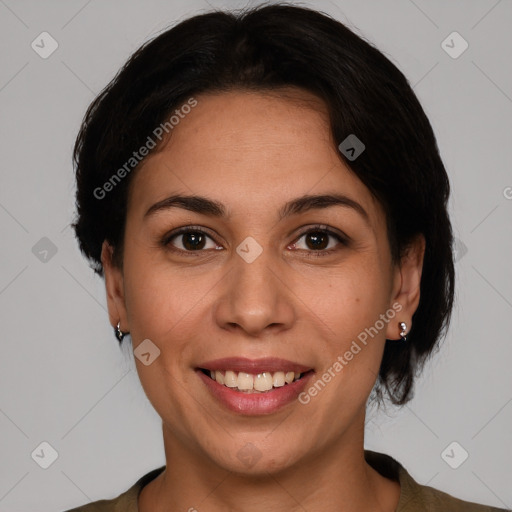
(406, 287)
(114, 284)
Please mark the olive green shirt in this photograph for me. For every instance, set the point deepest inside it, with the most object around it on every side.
(413, 496)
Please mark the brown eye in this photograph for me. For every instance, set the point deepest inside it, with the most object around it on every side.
(320, 241)
(193, 240)
(189, 240)
(317, 240)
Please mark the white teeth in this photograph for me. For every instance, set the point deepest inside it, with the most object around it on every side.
(259, 383)
(230, 379)
(245, 381)
(219, 377)
(278, 380)
(263, 381)
(289, 376)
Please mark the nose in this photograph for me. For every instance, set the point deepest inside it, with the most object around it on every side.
(255, 297)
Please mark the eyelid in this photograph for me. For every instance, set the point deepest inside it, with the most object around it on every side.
(324, 227)
(166, 239)
(339, 235)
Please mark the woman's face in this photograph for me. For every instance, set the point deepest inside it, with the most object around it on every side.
(253, 295)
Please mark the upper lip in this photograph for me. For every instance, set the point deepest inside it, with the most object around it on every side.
(254, 366)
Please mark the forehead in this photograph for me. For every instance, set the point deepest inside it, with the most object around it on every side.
(250, 150)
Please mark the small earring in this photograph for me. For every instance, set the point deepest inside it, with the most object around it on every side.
(403, 331)
(119, 334)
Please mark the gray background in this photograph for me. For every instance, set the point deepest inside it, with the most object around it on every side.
(64, 380)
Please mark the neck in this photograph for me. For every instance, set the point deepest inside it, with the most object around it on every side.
(335, 479)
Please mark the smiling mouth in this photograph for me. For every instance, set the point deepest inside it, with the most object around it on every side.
(263, 382)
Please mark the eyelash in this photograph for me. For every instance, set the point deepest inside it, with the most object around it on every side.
(166, 241)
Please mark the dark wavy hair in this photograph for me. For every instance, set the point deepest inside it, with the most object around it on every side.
(272, 47)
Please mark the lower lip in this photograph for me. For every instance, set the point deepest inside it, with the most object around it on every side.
(253, 404)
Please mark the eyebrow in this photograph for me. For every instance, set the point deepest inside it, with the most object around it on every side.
(205, 206)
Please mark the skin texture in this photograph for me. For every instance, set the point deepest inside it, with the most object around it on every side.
(253, 152)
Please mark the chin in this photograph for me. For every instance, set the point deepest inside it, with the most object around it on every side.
(257, 457)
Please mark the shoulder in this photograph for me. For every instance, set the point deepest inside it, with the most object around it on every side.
(125, 502)
(415, 497)
(113, 505)
(421, 497)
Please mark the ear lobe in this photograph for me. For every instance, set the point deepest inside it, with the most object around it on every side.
(114, 285)
(406, 291)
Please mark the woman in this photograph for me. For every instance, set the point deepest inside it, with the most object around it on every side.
(264, 197)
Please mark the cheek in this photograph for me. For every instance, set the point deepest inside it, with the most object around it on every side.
(349, 298)
(161, 301)
(164, 307)
(349, 314)
(154, 310)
